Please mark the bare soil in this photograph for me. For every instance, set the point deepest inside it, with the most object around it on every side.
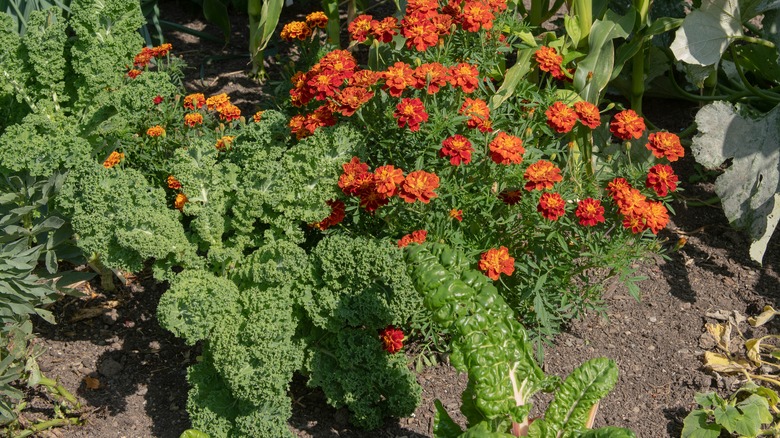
(657, 342)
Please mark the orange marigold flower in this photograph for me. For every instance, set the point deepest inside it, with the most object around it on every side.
(133, 73)
(229, 112)
(496, 5)
(506, 149)
(258, 116)
(631, 201)
(364, 78)
(662, 179)
(476, 14)
(419, 186)
(214, 102)
(295, 30)
(351, 98)
(465, 76)
(320, 117)
(588, 114)
(551, 206)
(550, 61)
(510, 197)
(425, 7)
(355, 172)
(339, 61)
(161, 50)
(173, 183)
(442, 23)
(590, 212)
(225, 142)
(113, 159)
(317, 19)
(617, 187)
(337, 214)
(561, 117)
(194, 101)
(384, 30)
(634, 222)
(458, 148)
(410, 112)
(156, 131)
(432, 76)
(193, 119)
(387, 179)
(626, 125)
(418, 236)
(392, 339)
(496, 261)
(665, 144)
(324, 84)
(479, 113)
(542, 175)
(360, 27)
(419, 31)
(143, 58)
(398, 77)
(180, 200)
(456, 214)
(656, 216)
(297, 128)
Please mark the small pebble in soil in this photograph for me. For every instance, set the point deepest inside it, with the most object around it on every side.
(154, 346)
(653, 319)
(110, 317)
(110, 367)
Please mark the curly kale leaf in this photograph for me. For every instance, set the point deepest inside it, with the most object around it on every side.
(362, 282)
(277, 263)
(353, 370)
(44, 44)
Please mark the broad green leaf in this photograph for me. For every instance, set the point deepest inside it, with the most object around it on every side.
(572, 26)
(482, 430)
(512, 77)
(271, 11)
(707, 32)
(193, 433)
(696, 425)
(443, 425)
(761, 60)
(708, 400)
(216, 12)
(749, 188)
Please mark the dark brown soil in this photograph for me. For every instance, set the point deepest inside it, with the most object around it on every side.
(657, 342)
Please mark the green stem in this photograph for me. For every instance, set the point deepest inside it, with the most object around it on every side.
(255, 11)
(638, 62)
(535, 14)
(331, 9)
(754, 40)
(48, 424)
(60, 390)
(106, 275)
(755, 90)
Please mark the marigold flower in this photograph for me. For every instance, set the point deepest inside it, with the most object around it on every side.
(551, 206)
(479, 113)
(340, 62)
(410, 112)
(419, 32)
(317, 19)
(456, 214)
(156, 131)
(351, 98)
(458, 148)
(419, 186)
(387, 179)
(424, 7)
(193, 119)
(661, 179)
(418, 236)
(510, 197)
(320, 117)
(229, 112)
(590, 212)
(194, 101)
(370, 199)
(113, 159)
(161, 50)
(542, 175)
(665, 144)
(432, 76)
(617, 187)
(258, 116)
(355, 172)
(550, 61)
(442, 23)
(634, 222)
(496, 261)
(626, 125)
(588, 114)
(143, 58)
(173, 183)
(214, 102)
(496, 5)
(360, 27)
(337, 214)
(297, 127)
(364, 78)
(157, 99)
(398, 77)
(392, 339)
(225, 142)
(476, 14)
(324, 84)
(631, 201)
(180, 200)
(656, 216)
(385, 29)
(506, 149)
(561, 117)
(133, 73)
(295, 30)
(465, 76)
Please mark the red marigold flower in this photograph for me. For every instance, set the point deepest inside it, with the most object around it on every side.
(465, 76)
(180, 200)
(418, 236)
(364, 78)
(320, 117)
(295, 30)
(113, 159)
(496, 261)
(419, 186)
(665, 144)
(419, 32)
(173, 183)
(424, 7)
(442, 23)
(506, 149)
(133, 73)
(410, 112)
(456, 214)
(476, 14)
(617, 187)
(496, 5)
(550, 61)
(387, 179)
(360, 27)
(297, 127)
(432, 76)
(458, 148)
(510, 197)
(398, 77)
(355, 172)
(193, 119)
(542, 175)
(143, 58)
(561, 117)
(337, 214)
(626, 125)
(214, 102)
(634, 222)
(340, 61)
(590, 212)
(258, 116)
(157, 99)
(229, 112)
(370, 199)
(324, 84)
(317, 19)
(656, 216)
(384, 30)
(631, 201)
(479, 113)
(551, 206)
(662, 179)
(156, 131)
(588, 114)
(351, 98)
(392, 339)
(194, 101)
